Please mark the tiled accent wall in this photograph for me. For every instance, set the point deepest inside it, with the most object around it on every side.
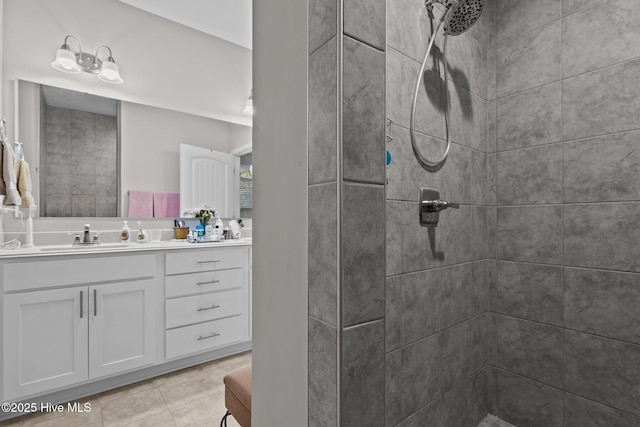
(437, 325)
(346, 212)
(566, 293)
(80, 163)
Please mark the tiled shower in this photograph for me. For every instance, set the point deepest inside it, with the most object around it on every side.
(525, 303)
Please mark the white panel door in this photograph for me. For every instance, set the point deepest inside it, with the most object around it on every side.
(121, 327)
(209, 177)
(45, 341)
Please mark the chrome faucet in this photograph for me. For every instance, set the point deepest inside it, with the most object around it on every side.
(86, 240)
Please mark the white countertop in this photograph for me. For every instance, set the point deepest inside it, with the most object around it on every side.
(102, 248)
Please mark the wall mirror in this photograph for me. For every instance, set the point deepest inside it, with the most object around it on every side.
(159, 106)
(93, 151)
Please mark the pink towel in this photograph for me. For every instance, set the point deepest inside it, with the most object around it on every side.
(140, 204)
(166, 205)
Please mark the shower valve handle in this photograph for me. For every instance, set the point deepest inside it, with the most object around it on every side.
(438, 205)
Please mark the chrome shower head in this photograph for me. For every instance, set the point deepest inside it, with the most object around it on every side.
(461, 15)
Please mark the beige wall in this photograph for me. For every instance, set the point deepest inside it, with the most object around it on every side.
(163, 64)
(151, 139)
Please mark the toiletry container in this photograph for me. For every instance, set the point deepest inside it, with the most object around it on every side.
(143, 235)
(217, 229)
(125, 236)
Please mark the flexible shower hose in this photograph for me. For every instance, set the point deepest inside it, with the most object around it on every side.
(423, 160)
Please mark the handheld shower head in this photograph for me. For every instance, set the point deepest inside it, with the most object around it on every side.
(461, 15)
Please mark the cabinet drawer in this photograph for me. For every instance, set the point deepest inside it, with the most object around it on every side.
(204, 336)
(200, 283)
(201, 308)
(21, 276)
(193, 261)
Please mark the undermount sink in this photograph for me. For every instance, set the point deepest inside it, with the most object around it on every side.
(103, 246)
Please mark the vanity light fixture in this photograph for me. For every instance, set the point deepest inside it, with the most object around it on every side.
(248, 107)
(71, 62)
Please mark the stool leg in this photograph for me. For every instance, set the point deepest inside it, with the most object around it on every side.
(223, 421)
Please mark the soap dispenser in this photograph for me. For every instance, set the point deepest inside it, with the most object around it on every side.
(143, 235)
(125, 236)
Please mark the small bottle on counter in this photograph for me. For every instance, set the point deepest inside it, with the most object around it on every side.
(125, 236)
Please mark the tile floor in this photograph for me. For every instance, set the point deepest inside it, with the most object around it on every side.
(190, 397)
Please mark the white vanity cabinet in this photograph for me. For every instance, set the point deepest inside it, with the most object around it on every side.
(79, 323)
(54, 338)
(207, 303)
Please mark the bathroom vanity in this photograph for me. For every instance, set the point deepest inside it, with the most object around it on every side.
(77, 321)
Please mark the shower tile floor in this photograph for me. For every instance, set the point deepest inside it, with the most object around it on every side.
(493, 421)
(189, 397)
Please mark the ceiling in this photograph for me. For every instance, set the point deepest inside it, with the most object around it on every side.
(226, 19)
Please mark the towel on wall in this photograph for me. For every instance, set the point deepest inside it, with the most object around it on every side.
(166, 205)
(140, 204)
(9, 176)
(24, 184)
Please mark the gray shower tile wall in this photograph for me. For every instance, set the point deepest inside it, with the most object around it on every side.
(363, 241)
(362, 392)
(603, 303)
(532, 117)
(80, 163)
(603, 369)
(421, 372)
(363, 111)
(602, 169)
(323, 24)
(530, 349)
(323, 205)
(323, 378)
(347, 232)
(524, 402)
(520, 59)
(323, 253)
(437, 297)
(365, 21)
(519, 16)
(531, 176)
(323, 112)
(568, 195)
(580, 412)
(608, 31)
(602, 101)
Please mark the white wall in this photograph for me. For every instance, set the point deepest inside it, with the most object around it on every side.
(150, 141)
(239, 136)
(164, 64)
(280, 205)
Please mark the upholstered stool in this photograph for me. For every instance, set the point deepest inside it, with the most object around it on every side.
(237, 396)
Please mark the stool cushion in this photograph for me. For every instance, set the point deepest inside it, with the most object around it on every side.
(237, 394)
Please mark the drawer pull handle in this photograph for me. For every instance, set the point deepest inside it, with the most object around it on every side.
(207, 283)
(81, 303)
(209, 308)
(200, 338)
(205, 262)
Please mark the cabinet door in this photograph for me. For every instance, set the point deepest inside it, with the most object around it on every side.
(45, 340)
(121, 327)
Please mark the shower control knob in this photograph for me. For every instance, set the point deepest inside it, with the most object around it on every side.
(430, 206)
(438, 205)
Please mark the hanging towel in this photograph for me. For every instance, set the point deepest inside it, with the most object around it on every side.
(140, 204)
(166, 205)
(24, 184)
(9, 176)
